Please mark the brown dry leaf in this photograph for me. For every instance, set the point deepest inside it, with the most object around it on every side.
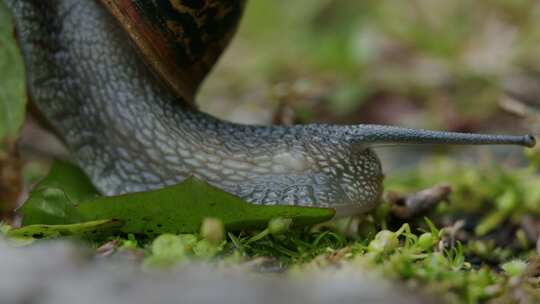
(108, 248)
(336, 257)
(406, 206)
(10, 181)
(531, 226)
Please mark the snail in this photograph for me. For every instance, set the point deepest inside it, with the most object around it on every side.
(117, 80)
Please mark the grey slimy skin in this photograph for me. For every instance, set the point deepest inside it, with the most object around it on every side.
(130, 133)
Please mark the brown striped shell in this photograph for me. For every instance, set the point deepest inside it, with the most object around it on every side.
(180, 39)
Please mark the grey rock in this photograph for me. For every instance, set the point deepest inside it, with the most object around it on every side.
(61, 272)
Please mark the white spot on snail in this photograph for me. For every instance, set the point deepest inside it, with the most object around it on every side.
(184, 153)
(225, 184)
(272, 195)
(279, 168)
(172, 159)
(340, 166)
(289, 199)
(289, 160)
(240, 155)
(305, 201)
(265, 164)
(154, 154)
(237, 178)
(193, 162)
(142, 139)
(320, 157)
(221, 154)
(227, 171)
(181, 145)
(234, 164)
(201, 157)
(242, 173)
(123, 152)
(150, 177)
(161, 136)
(127, 166)
(209, 175)
(262, 158)
(213, 141)
(213, 158)
(261, 170)
(179, 167)
(166, 149)
(323, 164)
(216, 167)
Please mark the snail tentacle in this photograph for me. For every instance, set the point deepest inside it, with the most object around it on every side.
(375, 135)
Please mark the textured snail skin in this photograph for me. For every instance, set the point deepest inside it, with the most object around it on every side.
(129, 132)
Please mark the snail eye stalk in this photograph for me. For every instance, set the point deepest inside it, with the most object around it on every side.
(376, 135)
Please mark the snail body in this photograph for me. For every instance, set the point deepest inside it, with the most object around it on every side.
(117, 79)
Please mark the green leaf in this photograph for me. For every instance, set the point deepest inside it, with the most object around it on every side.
(71, 180)
(99, 227)
(12, 92)
(66, 196)
(182, 208)
(53, 201)
(50, 206)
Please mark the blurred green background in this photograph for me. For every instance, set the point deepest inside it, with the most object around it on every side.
(12, 95)
(443, 64)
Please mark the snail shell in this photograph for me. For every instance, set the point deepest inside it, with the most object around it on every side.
(181, 40)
